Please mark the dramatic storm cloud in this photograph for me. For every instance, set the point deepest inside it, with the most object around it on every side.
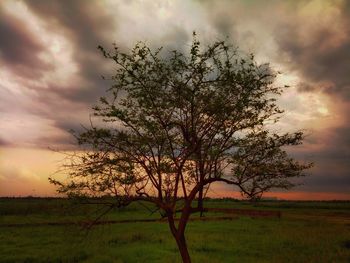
(50, 73)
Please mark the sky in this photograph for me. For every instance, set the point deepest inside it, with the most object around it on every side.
(50, 75)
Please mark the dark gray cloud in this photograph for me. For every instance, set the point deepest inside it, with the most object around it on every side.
(4, 143)
(86, 25)
(64, 103)
(19, 49)
(328, 175)
(306, 87)
(321, 54)
(62, 142)
(327, 67)
(322, 59)
(329, 150)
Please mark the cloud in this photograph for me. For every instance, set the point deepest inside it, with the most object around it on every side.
(317, 45)
(85, 26)
(328, 176)
(4, 143)
(19, 49)
(50, 67)
(313, 41)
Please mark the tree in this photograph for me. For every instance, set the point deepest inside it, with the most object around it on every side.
(175, 123)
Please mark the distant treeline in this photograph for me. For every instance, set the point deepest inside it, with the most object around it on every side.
(216, 199)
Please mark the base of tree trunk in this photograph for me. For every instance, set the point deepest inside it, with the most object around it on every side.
(181, 243)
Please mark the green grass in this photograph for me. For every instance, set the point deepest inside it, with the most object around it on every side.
(307, 232)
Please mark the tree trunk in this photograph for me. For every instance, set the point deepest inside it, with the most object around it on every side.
(179, 235)
(200, 201)
(181, 243)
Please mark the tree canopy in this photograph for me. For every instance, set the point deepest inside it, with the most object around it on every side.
(176, 122)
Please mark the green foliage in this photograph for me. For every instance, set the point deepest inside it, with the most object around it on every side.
(261, 164)
(178, 121)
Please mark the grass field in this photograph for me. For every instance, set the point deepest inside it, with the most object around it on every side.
(306, 232)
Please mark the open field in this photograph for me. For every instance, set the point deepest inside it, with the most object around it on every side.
(306, 232)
